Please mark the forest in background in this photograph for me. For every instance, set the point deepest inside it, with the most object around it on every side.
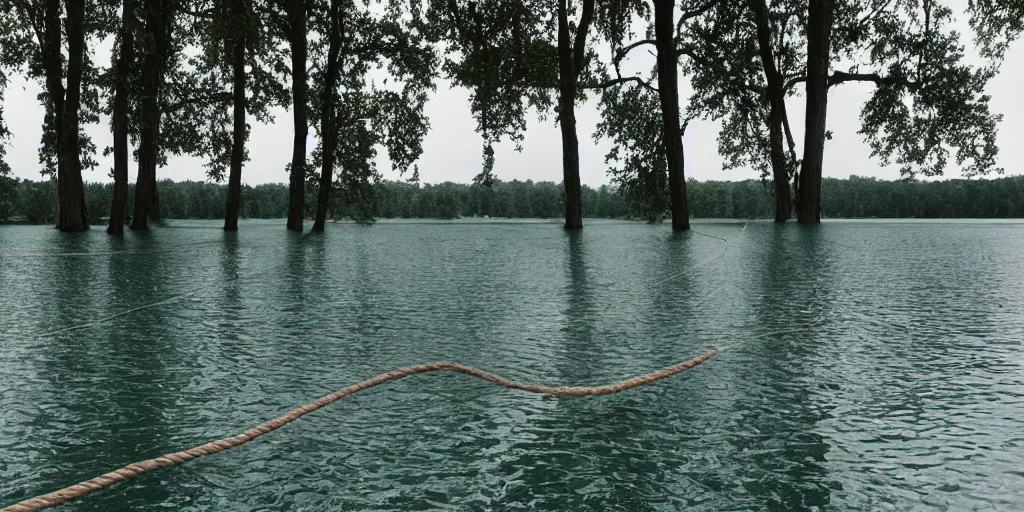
(855, 197)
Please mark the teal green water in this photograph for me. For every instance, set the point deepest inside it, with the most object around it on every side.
(880, 365)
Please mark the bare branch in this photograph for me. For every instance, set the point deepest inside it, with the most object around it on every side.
(839, 77)
(622, 80)
(626, 49)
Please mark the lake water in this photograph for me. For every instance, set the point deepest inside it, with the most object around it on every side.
(879, 365)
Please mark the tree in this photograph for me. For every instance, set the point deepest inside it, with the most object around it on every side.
(666, 32)
(237, 74)
(156, 47)
(297, 41)
(123, 64)
(570, 65)
(771, 41)
(357, 115)
(33, 36)
(927, 100)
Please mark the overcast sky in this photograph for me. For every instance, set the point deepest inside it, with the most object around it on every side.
(452, 149)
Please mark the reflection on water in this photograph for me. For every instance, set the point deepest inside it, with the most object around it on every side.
(878, 365)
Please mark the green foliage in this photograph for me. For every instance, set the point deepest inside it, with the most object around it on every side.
(996, 23)
(931, 101)
(8, 196)
(197, 101)
(719, 54)
(504, 52)
(5, 133)
(631, 118)
(21, 51)
(368, 113)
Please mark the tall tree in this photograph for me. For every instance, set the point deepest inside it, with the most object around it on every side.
(34, 30)
(571, 55)
(928, 101)
(776, 98)
(335, 27)
(668, 93)
(124, 58)
(237, 74)
(297, 41)
(819, 38)
(667, 40)
(240, 13)
(156, 45)
(502, 50)
(358, 114)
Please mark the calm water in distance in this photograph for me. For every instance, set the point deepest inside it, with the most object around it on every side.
(880, 365)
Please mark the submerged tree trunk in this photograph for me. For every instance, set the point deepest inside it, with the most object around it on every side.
(238, 135)
(819, 31)
(297, 180)
(119, 118)
(327, 128)
(777, 112)
(668, 91)
(158, 21)
(570, 62)
(70, 189)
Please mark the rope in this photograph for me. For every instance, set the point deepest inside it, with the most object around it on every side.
(702, 262)
(122, 313)
(173, 459)
(159, 249)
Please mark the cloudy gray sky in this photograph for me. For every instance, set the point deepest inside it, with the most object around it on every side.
(452, 148)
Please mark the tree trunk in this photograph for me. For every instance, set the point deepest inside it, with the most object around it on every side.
(570, 62)
(158, 20)
(297, 180)
(238, 140)
(819, 31)
(70, 189)
(119, 118)
(777, 100)
(668, 91)
(327, 128)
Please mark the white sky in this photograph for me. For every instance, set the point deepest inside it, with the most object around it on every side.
(452, 149)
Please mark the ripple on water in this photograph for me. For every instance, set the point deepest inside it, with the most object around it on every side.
(879, 366)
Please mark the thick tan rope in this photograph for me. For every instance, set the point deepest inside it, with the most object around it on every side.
(172, 459)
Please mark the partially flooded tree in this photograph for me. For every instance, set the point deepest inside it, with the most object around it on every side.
(739, 57)
(123, 66)
(236, 74)
(665, 33)
(502, 50)
(157, 49)
(35, 39)
(929, 104)
(358, 112)
(290, 21)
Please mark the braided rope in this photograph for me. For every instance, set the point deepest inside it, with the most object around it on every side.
(173, 459)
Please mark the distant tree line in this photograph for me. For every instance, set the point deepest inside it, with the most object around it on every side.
(855, 197)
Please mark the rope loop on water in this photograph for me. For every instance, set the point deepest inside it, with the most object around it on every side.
(173, 459)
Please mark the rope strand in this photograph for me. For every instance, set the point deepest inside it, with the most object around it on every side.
(173, 459)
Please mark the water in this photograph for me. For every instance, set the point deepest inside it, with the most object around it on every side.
(880, 365)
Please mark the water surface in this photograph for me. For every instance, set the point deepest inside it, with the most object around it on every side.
(879, 365)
